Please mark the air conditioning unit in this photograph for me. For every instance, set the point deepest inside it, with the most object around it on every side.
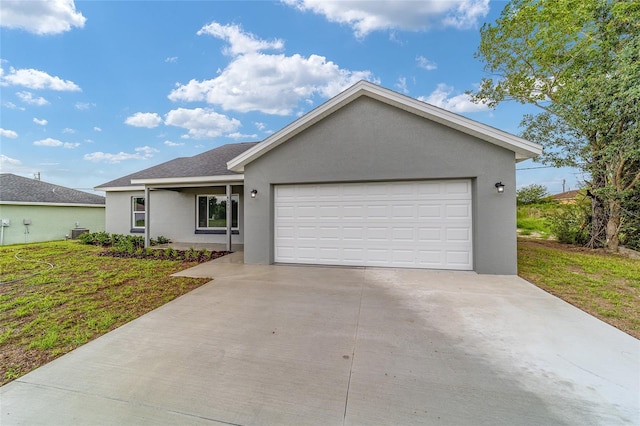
(76, 232)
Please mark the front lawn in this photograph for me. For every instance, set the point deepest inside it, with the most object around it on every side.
(57, 296)
(605, 285)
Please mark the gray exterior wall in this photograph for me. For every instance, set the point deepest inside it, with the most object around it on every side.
(368, 140)
(173, 214)
(48, 222)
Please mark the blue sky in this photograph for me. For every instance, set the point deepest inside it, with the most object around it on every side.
(94, 90)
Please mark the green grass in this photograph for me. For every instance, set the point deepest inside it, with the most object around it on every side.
(605, 285)
(48, 312)
(531, 220)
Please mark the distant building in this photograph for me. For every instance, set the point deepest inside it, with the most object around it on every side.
(568, 197)
(34, 211)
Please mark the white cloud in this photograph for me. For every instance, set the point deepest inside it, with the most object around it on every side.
(201, 122)
(401, 85)
(365, 17)
(144, 119)
(97, 129)
(169, 143)
(11, 105)
(36, 79)
(56, 143)
(39, 122)
(171, 59)
(441, 97)
(27, 98)
(4, 161)
(68, 130)
(8, 133)
(466, 13)
(238, 135)
(270, 83)
(41, 17)
(82, 106)
(426, 63)
(141, 153)
(240, 42)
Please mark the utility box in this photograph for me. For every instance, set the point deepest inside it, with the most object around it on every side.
(76, 232)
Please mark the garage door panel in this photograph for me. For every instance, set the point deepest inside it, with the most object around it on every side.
(403, 235)
(457, 257)
(351, 212)
(429, 211)
(429, 235)
(458, 211)
(403, 224)
(377, 211)
(459, 234)
(353, 233)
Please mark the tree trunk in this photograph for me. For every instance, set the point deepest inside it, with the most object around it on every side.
(613, 226)
(599, 217)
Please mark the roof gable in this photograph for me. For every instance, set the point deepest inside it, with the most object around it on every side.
(522, 148)
(18, 189)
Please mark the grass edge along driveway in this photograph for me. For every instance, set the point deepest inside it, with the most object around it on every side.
(605, 285)
(59, 295)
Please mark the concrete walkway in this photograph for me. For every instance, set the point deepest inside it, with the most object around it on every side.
(286, 345)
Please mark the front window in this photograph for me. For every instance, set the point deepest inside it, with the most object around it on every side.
(212, 211)
(138, 212)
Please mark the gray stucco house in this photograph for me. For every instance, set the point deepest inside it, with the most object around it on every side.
(33, 211)
(369, 178)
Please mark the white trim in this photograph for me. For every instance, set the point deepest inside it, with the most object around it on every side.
(216, 228)
(134, 211)
(36, 203)
(188, 180)
(121, 188)
(523, 149)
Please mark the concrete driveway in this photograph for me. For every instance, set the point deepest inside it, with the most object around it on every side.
(286, 345)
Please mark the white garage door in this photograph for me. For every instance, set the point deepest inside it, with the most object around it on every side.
(418, 224)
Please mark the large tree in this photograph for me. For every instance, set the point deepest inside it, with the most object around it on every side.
(579, 62)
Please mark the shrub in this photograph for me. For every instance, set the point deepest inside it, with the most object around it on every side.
(163, 240)
(531, 194)
(570, 224)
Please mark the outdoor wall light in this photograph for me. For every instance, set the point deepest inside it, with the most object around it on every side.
(500, 187)
(254, 192)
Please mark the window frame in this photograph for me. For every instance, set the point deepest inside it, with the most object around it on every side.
(134, 226)
(235, 229)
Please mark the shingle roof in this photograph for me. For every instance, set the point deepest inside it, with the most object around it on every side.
(21, 189)
(567, 195)
(209, 163)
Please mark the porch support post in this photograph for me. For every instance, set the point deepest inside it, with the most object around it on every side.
(229, 217)
(147, 217)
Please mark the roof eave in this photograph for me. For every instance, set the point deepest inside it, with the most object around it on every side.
(119, 188)
(51, 204)
(189, 180)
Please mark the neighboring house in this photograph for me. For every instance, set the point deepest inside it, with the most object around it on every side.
(369, 178)
(568, 197)
(34, 211)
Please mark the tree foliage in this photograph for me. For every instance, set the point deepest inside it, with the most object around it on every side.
(579, 62)
(531, 194)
